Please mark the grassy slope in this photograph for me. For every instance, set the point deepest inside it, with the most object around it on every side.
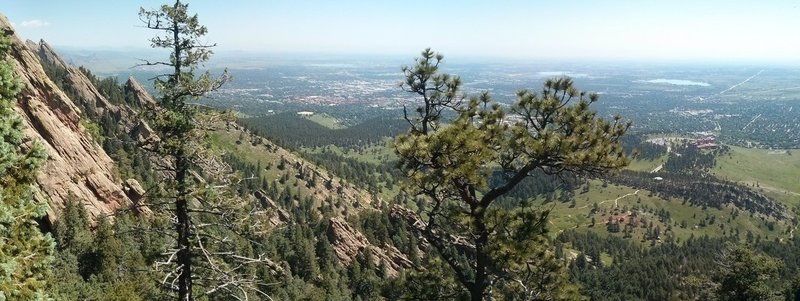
(778, 175)
(373, 154)
(647, 165)
(563, 217)
(326, 120)
(269, 155)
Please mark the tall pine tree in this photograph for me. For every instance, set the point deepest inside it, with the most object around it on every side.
(211, 223)
(25, 253)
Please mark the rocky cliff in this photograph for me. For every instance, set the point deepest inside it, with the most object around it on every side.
(77, 167)
(88, 97)
(348, 242)
(82, 86)
(279, 216)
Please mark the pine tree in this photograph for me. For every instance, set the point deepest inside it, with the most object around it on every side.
(746, 275)
(25, 253)
(108, 249)
(454, 146)
(72, 230)
(209, 217)
(74, 260)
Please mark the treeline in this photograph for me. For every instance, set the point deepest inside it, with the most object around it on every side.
(113, 261)
(110, 262)
(366, 175)
(636, 144)
(539, 184)
(698, 269)
(700, 190)
(635, 273)
(292, 131)
(688, 158)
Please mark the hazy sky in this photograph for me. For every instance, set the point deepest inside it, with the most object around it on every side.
(726, 30)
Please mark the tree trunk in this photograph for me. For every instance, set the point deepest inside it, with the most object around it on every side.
(182, 227)
(181, 202)
(482, 260)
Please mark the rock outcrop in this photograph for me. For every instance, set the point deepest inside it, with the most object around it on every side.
(137, 194)
(81, 84)
(279, 215)
(86, 94)
(142, 133)
(77, 167)
(405, 215)
(140, 95)
(348, 243)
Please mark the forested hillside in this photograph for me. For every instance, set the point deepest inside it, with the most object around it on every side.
(116, 189)
(292, 130)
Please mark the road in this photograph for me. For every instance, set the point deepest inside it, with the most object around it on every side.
(616, 201)
(751, 121)
(739, 84)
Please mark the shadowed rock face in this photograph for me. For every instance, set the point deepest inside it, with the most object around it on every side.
(77, 167)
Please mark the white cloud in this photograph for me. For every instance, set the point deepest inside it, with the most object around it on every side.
(13, 24)
(34, 23)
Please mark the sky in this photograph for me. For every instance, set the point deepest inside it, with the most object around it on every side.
(712, 30)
